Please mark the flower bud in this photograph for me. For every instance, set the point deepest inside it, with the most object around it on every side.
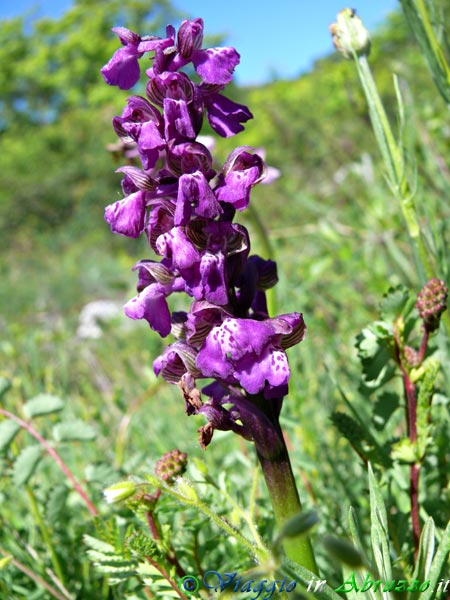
(171, 465)
(349, 34)
(119, 491)
(412, 357)
(190, 37)
(431, 303)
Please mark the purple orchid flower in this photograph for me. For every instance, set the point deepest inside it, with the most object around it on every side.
(241, 172)
(186, 208)
(123, 68)
(155, 283)
(213, 65)
(251, 353)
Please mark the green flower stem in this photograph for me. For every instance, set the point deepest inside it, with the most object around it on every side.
(261, 552)
(247, 517)
(282, 488)
(45, 535)
(393, 158)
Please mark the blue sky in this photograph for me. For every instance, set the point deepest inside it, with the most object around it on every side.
(279, 38)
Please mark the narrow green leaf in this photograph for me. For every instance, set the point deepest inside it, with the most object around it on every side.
(354, 531)
(116, 570)
(43, 404)
(99, 545)
(8, 431)
(354, 528)
(416, 14)
(437, 566)
(425, 555)
(26, 463)
(296, 572)
(379, 531)
(113, 560)
(75, 430)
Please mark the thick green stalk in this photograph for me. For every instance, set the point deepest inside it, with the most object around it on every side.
(276, 466)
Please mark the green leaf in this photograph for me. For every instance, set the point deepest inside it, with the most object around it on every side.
(395, 304)
(348, 427)
(43, 404)
(425, 555)
(8, 431)
(99, 545)
(379, 529)
(374, 345)
(422, 27)
(296, 572)
(354, 528)
(75, 430)
(102, 473)
(56, 503)
(437, 566)
(5, 385)
(26, 463)
(405, 451)
(385, 406)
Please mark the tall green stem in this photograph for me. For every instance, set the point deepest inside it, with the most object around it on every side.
(394, 162)
(276, 466)
(45, 535)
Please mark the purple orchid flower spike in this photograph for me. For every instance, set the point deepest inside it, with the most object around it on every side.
(186, 207)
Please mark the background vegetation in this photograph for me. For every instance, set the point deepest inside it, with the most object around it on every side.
(334, 230)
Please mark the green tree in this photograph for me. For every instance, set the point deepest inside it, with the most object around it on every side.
(55, 110)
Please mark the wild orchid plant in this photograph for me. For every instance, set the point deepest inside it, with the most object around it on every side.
(186, 208)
